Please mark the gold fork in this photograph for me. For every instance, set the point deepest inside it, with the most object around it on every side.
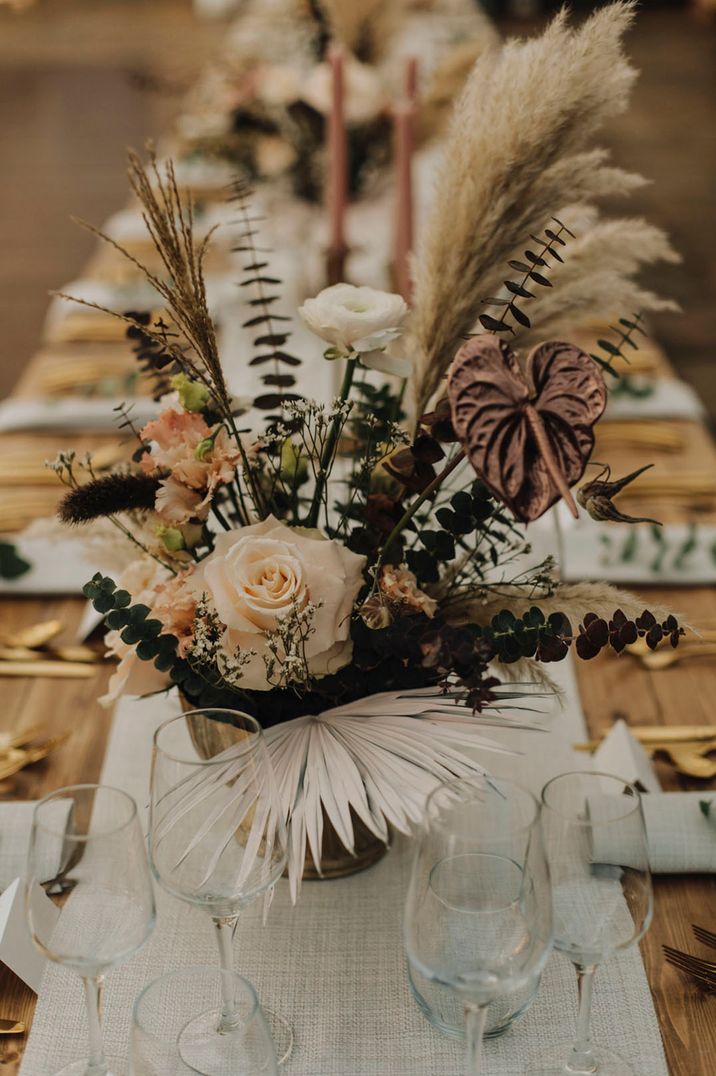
(640, 647)
(59, 670)
(704, 936)
(702, 970)
(658, 660)
(11, 740)
(18, 760)
(34, 636)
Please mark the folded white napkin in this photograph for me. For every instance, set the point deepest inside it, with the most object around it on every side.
(620, 753)
(15, 829)
(79, 413)
(670, 399)
(681, 838)
(675, 554)
(44, 554)
(137, 294)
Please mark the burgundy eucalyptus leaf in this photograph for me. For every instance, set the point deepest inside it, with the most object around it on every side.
(529, 436)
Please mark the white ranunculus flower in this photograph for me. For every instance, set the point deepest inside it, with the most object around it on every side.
(364, 97)
(259, 573)
(388, 361)
(355, 320)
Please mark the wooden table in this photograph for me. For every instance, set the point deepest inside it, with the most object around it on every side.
(610, 686)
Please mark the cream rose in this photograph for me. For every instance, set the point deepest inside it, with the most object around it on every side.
(260, 573)
(355, 319)
(364, 96)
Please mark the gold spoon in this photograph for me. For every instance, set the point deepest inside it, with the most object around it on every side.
(664, 659)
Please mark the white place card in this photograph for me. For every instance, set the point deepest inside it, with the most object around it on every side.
(621, 754)
(17, 950)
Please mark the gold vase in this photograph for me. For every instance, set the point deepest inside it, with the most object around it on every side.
(336, 860)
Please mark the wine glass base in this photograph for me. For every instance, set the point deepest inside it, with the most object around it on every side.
(204, 1049)
(554, 1062)
(115, 1067)
(282, 1034)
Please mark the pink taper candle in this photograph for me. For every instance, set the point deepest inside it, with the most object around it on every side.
(337, 179)
(404, 120)
(411, 78)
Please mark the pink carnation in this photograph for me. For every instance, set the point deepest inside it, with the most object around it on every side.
(174, 438)
(400, 586)
(175, 606)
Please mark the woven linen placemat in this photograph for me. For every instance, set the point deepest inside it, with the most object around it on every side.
(334, 964)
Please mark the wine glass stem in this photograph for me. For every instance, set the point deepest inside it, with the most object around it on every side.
(97, 1064)
(582, 1058)
(475, 1017)
(225, 929)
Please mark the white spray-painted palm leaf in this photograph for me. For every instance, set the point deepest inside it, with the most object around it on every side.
(377, 758)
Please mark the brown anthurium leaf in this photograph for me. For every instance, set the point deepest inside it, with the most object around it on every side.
(528, 436)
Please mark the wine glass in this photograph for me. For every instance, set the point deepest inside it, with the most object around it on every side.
(169, 1004)
(595, 839)
(216, 840)
(478, 912)
(87, 851)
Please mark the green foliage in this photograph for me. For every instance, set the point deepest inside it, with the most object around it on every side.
(612, 350)
(12, 565)
(533, 270)
(135, 625)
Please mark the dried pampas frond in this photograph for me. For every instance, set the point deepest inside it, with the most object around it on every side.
(575, 600)
(516, 155)
(595, 281)
(447, 80)
(529, 671)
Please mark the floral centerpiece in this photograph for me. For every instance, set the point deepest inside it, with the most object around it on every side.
(268, 114)
(356, 573)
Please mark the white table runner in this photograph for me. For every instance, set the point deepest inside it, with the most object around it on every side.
(334, 965)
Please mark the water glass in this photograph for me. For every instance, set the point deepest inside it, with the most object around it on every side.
(87, 852)
(478, 911)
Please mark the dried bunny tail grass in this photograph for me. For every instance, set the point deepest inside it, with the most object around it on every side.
(575, 600)
(525, 109)
(363, 26)
(595, 279)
